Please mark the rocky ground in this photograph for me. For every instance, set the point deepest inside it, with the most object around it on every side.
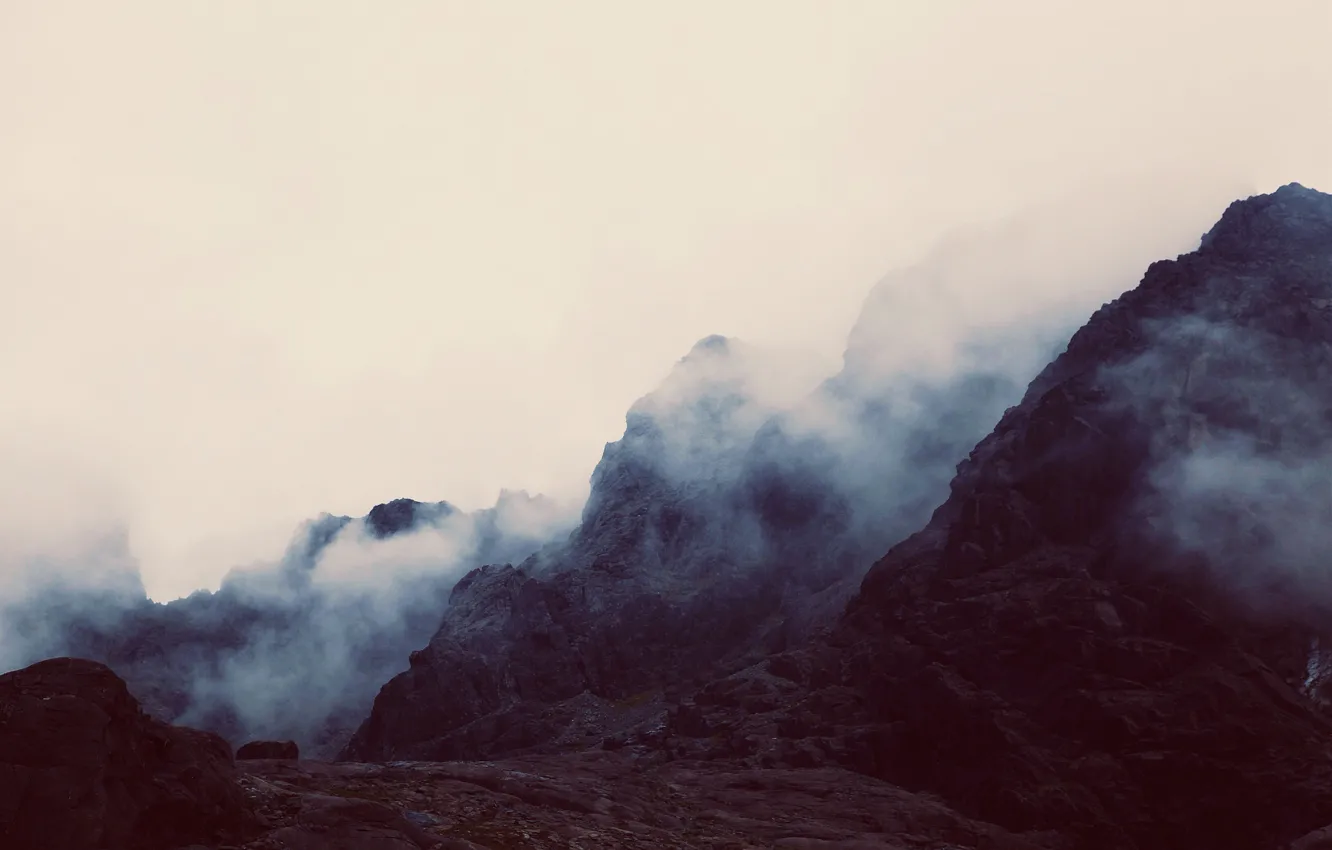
(82, 767)
(597, 800)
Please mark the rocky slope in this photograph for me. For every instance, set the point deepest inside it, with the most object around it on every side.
(1110, 630)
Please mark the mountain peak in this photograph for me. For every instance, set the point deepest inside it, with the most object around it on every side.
(714, 344)
(390, 518)
(1292, 217)
(714, 373)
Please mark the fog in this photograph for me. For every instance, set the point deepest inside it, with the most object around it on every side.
(292, 648)
(747, 455)
(1233, 377)
(261, 262)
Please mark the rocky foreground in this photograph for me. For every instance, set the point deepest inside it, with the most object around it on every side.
(82, 767)
(596, 800)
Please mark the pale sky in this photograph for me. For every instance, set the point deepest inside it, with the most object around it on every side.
(260, 260)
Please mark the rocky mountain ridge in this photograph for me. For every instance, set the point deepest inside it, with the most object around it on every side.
(717, 531)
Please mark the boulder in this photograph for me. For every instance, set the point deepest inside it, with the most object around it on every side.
(269, 750)
(83, 768)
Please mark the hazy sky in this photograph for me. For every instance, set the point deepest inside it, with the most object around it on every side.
(263, 259)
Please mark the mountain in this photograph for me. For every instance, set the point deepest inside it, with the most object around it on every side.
(1108, 627)
(1113, 632)
(722, 527)
(295, 649)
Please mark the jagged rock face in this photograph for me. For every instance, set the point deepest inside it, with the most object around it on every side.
(523, 661)
(1105, 630)
(718, 530)
(82, 767)
(652, 588)
(278, 652)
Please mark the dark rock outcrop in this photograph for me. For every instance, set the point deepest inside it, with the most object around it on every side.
(269, 750)
(81, 767)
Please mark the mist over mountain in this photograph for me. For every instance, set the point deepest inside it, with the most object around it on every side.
(1103, 603)
(734, 518)
(292, 649)
(719, 528)
(746, 481)
(1113, 632)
